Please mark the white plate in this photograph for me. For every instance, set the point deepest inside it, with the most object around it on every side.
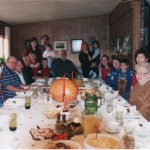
(112, 132)
(72, 144)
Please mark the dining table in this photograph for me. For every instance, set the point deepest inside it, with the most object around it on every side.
(34, 118)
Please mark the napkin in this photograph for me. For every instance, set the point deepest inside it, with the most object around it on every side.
(14, 102)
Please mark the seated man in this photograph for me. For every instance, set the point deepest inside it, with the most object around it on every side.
(28, 70)
(10, 81)
(62, 66)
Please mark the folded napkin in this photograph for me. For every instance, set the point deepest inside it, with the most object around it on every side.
(7, 140)
(14, 102)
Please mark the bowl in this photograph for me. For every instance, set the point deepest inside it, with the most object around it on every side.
(71, 144)
(102, 142)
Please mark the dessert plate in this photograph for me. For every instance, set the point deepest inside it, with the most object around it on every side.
(112, 132)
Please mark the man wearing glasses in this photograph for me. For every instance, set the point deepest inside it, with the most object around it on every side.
(10, 82)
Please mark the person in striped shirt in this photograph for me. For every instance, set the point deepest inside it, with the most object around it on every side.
(10, 82)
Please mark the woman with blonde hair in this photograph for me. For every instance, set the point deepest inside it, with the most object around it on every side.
(140, 95)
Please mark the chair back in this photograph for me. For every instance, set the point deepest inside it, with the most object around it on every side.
(121, 86)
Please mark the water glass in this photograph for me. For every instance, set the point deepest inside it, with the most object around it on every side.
(129, 137)
(119, 117)
(27, 102)
(109, 105)
(13, 122)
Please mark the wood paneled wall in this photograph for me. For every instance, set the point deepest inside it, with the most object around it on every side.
(125, 20)
(67, 29)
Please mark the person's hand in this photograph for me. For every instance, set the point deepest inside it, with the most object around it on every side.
(93, 65)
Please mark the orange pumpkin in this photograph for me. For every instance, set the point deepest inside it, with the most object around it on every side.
(57, 90)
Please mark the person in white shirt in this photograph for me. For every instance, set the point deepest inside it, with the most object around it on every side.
(19, 67)
(49, 54)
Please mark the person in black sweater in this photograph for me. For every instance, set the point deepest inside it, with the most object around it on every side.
(84, 58)
(62, 66)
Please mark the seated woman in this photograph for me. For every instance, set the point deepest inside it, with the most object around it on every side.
(105, 66)
(140, 95)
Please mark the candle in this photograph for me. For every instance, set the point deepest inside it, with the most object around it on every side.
(63, 87)
(71, 75)
(64, 103)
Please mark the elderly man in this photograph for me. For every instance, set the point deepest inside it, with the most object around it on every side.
(62, 66)
(10, 81)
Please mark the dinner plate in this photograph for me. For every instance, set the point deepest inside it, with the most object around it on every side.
(71, 144)
(112, 132)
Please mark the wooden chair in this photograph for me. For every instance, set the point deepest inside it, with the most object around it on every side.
(121, 86)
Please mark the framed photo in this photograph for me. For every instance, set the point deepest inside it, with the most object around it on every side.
(76, 45)
(60, 45)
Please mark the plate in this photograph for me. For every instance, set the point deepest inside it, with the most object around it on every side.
(71, 144)
(112, 132)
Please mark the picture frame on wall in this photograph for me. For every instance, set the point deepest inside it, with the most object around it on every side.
(76, 45)
(60, 45)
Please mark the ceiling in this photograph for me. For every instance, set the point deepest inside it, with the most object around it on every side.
(28, 11)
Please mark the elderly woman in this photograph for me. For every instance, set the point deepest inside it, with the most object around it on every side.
(140, 95)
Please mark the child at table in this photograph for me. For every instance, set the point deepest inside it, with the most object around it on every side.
(44, 70)
(126, 74)
(49, 54)
(112, 77)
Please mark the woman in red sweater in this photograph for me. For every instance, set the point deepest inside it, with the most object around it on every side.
(105, 66)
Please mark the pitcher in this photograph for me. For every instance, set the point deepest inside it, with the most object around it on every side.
(92, 103)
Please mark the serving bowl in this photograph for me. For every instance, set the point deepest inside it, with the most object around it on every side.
(102, 141)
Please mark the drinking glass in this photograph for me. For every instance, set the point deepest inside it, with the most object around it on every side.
(129, 137)
(109, 105)
(119, 117)
(13, 122)
(91, 124)
(28, 102)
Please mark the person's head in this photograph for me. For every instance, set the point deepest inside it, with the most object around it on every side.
(62, 54)
(49, 47)
(104, 61)
(27, 60)
(116, 63)
(19, 66)
(44, 62)
(142, 72)
(11, 63)
(141, 56)
(44, 39)
(95, 44)
(124, 65)
(84, 47)
(33, 56)
(33, 43)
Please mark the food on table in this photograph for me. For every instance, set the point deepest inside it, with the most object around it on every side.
(45, 133)
(51, 111)
(77, 120)
(64, 136)
(60, 146)
(63, 88)
(103, 142)
(83, 92)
